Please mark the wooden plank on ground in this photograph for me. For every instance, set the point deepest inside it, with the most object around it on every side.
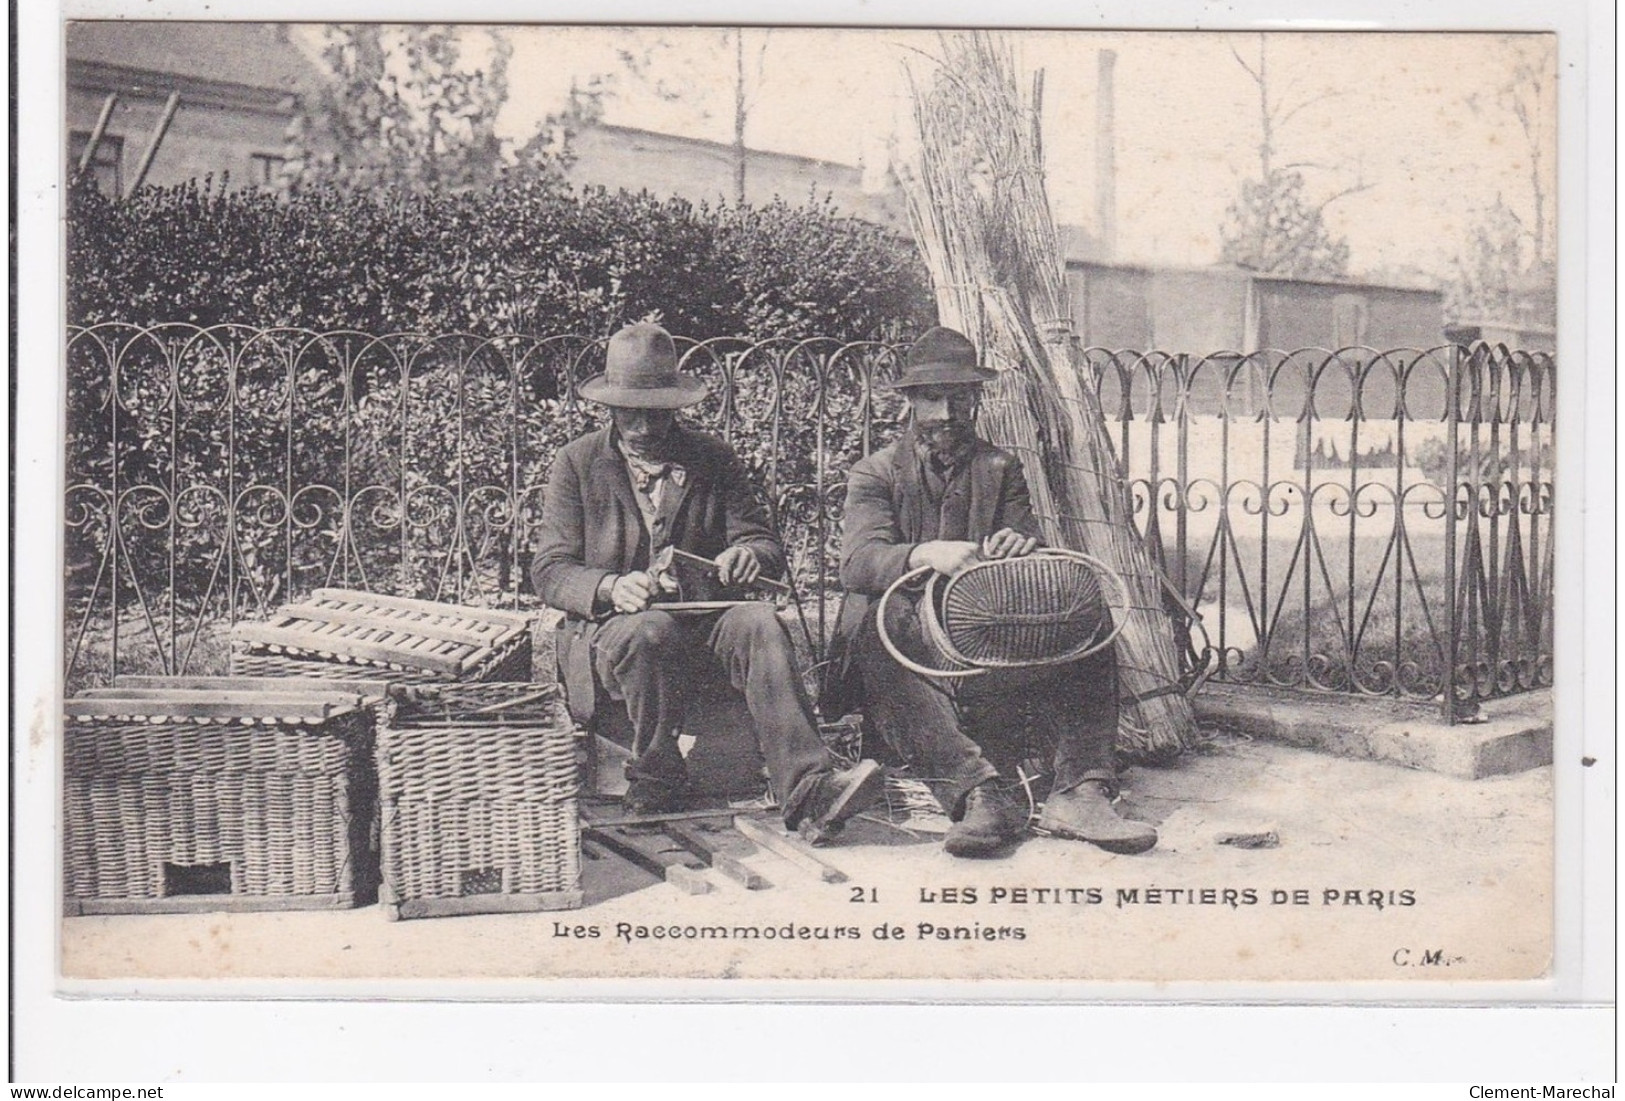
(653, 852)
(719, 813)
(789, 847)
(721, 852)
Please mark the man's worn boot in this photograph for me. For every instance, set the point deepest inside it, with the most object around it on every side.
(993, 819)
(840, 795)
(1086, 814)
(645, 796)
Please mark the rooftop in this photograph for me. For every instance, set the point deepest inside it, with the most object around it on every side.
(255, 55)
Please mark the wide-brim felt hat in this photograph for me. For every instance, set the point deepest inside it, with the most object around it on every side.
(640, 372)
(941, 357)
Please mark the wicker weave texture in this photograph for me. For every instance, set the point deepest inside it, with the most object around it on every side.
(288, 807)
(480, 804)
(1024, 610)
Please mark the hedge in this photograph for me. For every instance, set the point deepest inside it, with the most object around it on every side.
(522, 256)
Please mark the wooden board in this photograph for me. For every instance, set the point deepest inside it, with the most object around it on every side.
(284, 709)
(485, 904)
(205, 904)
(278, 685)
(650, 850)
(719, 813)
(335, 694)
(722, 851)
(791, 848)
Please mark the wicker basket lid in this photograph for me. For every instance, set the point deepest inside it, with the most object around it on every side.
(387, 631)
(263, 700)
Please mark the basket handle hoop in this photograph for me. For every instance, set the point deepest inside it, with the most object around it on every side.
(891, 647)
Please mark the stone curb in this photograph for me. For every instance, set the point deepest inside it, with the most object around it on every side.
(1516, 733)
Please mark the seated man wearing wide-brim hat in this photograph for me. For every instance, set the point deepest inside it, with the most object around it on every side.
(616, 498)
(941, 497)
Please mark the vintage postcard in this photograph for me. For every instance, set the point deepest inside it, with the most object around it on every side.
(554, 502)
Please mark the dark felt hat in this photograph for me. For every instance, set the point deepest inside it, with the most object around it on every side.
(640, 372)
(941, 357)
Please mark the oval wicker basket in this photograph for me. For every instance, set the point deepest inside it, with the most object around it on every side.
(1046, 608)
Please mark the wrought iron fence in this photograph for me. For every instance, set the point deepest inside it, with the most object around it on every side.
(1354, 521)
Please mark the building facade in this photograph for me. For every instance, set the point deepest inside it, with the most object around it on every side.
(237, 86)
(617, 157)
(1203, 310)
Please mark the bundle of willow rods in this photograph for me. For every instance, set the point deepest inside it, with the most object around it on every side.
(982, 217)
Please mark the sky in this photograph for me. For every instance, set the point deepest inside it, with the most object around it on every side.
(1390, 112)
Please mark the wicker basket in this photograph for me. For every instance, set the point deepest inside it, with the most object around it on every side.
(196, 794)
(1048, 608)
(345, 634)
(479, 784)
(1043, 609)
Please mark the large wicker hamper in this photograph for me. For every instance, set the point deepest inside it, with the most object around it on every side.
(346, 634)
(194, 794)
(478, 786)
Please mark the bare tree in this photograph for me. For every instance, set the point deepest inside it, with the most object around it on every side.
(1273, 226)
(744, 101)
(648, 64)
(1507, 267)
(1525, 97)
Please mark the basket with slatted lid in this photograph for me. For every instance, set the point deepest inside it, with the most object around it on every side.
(347, 634)
(187, 794)
(478, 786)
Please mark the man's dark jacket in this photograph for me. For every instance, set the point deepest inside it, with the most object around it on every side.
(591, 528)
(885, 519)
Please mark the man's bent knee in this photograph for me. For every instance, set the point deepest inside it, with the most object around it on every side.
(652, 632)
(754, 625)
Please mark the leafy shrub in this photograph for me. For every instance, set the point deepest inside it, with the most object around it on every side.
(524, 256)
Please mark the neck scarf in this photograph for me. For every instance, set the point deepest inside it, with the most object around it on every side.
(646, 473)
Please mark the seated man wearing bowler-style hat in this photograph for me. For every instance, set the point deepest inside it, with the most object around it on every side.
(944, 498)
(616, 498)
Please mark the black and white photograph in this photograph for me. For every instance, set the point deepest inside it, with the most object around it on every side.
(562, 502)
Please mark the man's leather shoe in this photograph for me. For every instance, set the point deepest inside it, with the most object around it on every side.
(993, 819)
(1086, 814)
(838, 796)
(648, 796)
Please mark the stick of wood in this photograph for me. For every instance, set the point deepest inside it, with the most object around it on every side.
(714, 855)
(545, 692)
(789, 848)
(657, 819)
(171, 105)
(97, 131)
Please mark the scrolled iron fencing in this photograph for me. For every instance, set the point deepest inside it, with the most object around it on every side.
(1371, 522)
